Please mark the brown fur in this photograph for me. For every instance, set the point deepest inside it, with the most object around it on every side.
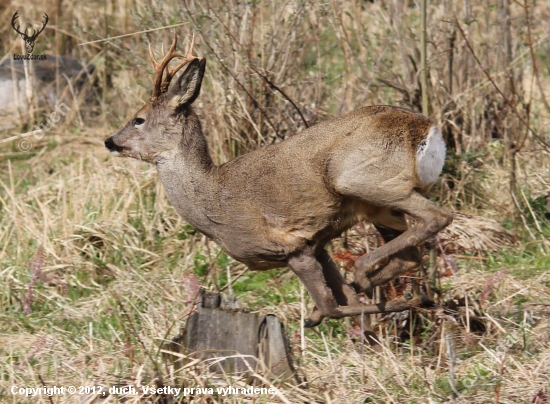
(281, 204)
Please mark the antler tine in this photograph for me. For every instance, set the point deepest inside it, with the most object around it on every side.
(190, 52)
(157, 72)
(170, 73)
(162, 80)
(152, 57)
(174, 44)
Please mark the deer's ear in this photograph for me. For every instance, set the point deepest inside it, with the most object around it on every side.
(186, 90)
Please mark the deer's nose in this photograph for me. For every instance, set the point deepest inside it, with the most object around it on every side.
(111, 145)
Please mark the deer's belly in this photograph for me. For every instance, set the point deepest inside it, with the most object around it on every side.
(262, 249)
(269, 246)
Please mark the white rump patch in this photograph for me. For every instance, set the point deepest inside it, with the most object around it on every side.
(430, 156)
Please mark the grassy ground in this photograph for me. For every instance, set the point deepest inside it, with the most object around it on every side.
(97, 269)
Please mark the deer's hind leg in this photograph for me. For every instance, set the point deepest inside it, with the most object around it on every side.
(390, 226)
(430, 220)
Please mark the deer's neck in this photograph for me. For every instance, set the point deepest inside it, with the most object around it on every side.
(194, 147)
(188, 177)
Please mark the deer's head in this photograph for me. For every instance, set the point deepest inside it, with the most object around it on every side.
(157, 128)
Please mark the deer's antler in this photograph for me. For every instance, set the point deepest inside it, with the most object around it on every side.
(162, 80)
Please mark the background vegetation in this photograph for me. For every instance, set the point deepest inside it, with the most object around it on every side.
(97, 269)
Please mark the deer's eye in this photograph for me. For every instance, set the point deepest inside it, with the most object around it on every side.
(138, 122)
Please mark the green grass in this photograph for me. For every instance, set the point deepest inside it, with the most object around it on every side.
(525, 263)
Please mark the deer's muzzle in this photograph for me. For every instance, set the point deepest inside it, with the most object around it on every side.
(112, 146)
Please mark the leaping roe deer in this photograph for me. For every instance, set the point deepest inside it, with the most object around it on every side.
(279, 206)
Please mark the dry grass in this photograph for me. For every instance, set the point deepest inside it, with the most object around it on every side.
(98, 269)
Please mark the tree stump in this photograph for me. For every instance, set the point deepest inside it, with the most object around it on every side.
(233, 341)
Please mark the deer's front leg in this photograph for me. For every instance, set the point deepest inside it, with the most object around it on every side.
(310, 271)
(345, 296)
(342, 292)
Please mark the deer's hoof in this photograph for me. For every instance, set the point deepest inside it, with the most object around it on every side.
(356, 287)
(369, 291)
(419, 301)
(426, 302)
(365, 287)
(310, 323)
